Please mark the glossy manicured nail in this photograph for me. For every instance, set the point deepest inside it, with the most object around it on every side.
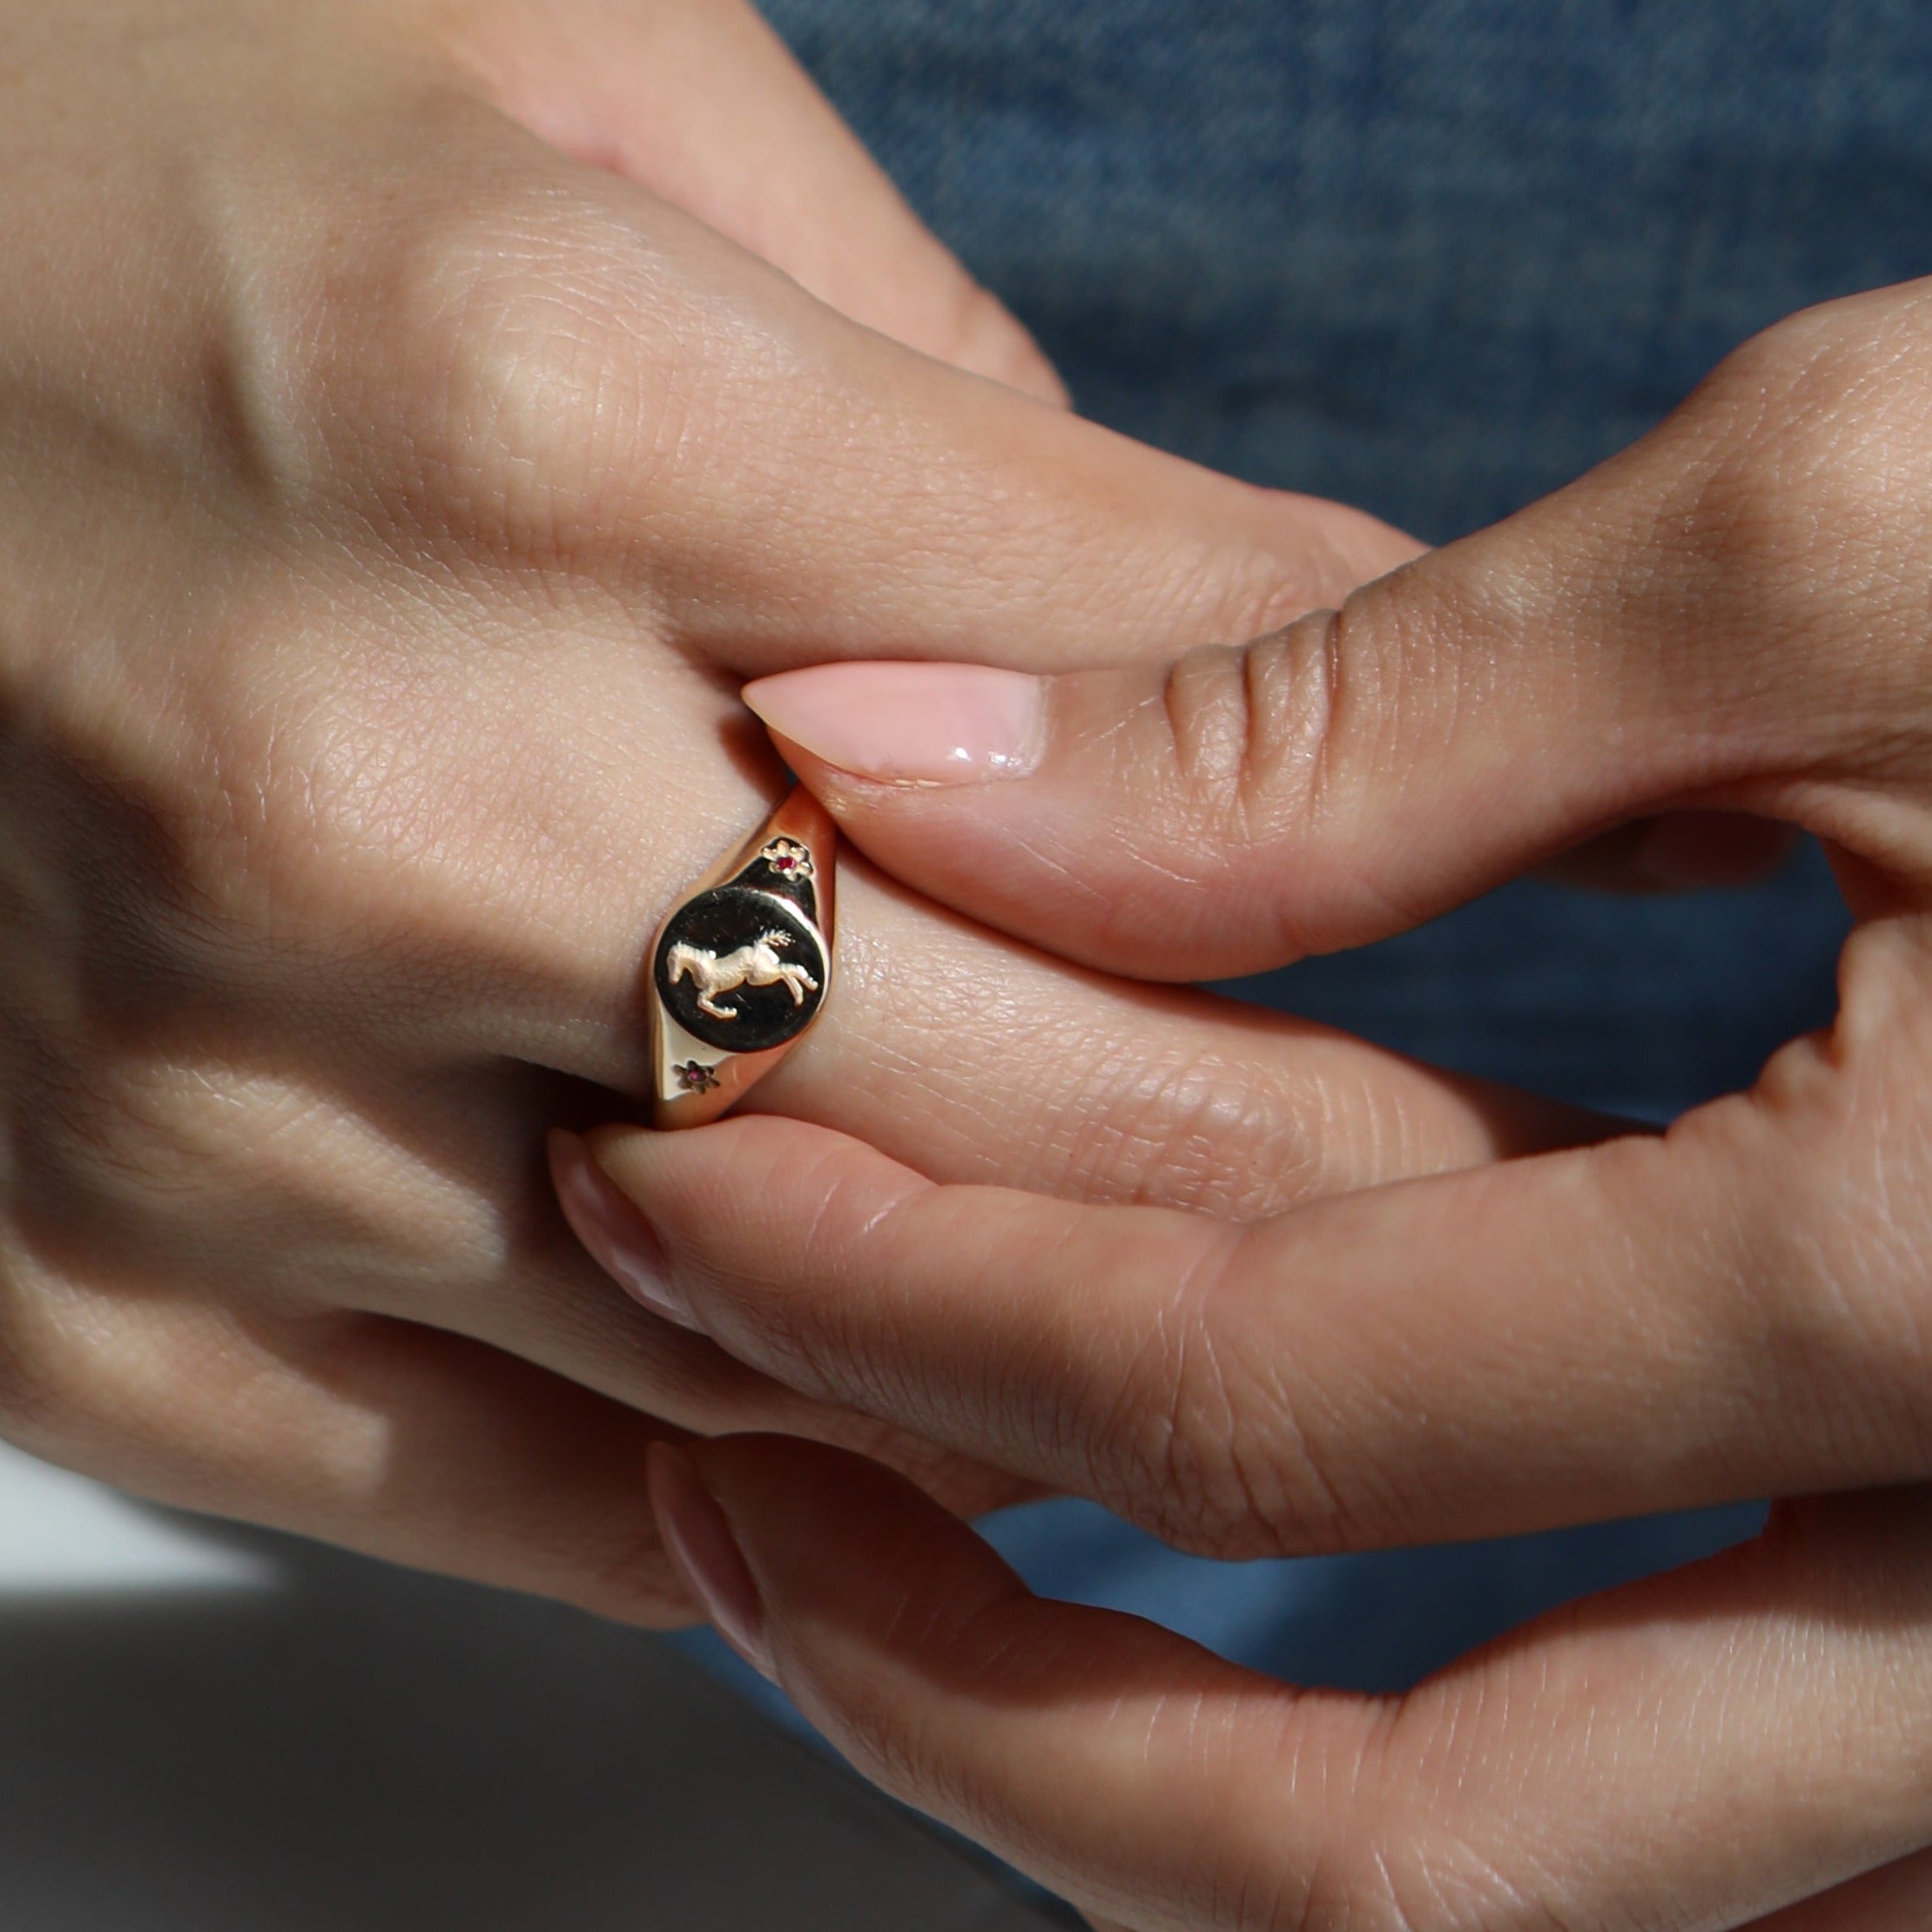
(909, 723)
(699, 1540)
(621, 1241)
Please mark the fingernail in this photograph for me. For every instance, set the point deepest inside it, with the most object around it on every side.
(621, 1241)
(910, 723)
(698, 1539)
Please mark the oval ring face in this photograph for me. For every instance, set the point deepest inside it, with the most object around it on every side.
(740, 970)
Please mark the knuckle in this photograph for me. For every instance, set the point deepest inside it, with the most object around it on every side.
(1354, 1885)
(1206, 1442)
(237, 859)
(1816, 455)
(1245, 727)
(1818, 1284)
(358, 801)
(1788, 508)
(512, 362)
(1201, 1130)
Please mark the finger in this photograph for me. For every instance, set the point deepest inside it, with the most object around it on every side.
(1756, 1725)
(555, 375)
(410, 1189)
(1661, 1320)
(402, 1441)
(1659, 635)
(700, 102)
(974, 1061)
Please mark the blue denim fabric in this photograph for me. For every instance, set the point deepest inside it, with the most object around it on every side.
(1434, 257)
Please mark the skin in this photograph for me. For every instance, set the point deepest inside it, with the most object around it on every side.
(1728, 618)
(405, 455)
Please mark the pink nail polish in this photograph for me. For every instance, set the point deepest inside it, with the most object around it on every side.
(698, 1539)
(621, 1241)
(910, 723)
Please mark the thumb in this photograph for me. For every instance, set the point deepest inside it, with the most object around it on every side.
(1650, 640)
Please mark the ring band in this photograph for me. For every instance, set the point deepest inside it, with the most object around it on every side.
(743, 964)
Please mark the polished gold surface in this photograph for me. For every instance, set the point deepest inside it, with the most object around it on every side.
(769, 975)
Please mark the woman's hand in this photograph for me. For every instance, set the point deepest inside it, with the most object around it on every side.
(390, 506)
(1731, 617)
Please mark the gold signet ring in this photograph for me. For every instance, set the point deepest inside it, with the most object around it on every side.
(741, 966)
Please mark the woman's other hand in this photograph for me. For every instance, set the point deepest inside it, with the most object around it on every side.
(1730, 617)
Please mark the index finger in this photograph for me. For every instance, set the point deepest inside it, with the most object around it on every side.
(1641, 1326)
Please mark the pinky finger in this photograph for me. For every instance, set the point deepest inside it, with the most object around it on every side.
(401, 1442)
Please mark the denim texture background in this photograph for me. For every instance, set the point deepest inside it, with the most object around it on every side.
(1433, 257)
(1436, 259)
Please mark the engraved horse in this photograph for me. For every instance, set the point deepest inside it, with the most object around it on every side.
(756, 965)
